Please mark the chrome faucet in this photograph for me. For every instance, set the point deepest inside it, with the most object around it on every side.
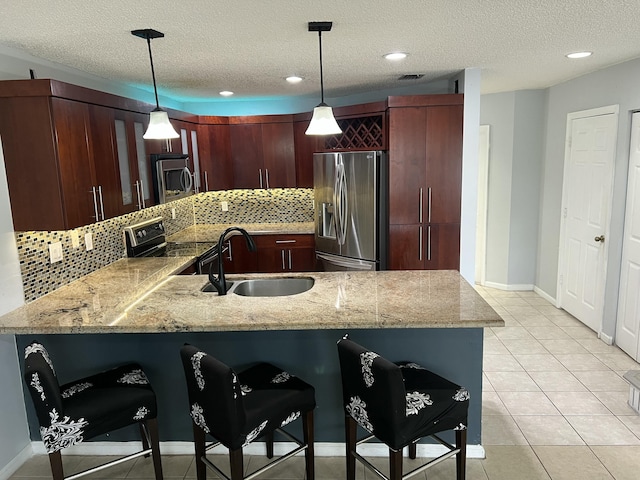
(220, 283)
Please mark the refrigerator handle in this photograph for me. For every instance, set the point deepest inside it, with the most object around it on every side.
(337, 205)
(344, 207)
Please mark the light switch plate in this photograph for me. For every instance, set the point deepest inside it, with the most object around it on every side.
(55, 252)
(75, 238)
(88, 241)
(225, 206)
(173, 213)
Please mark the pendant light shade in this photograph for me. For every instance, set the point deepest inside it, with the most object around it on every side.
(159, 125)
(323, 122)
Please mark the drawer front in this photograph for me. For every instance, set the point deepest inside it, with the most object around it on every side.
(284, 241)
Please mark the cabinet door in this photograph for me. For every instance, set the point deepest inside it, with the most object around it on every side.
(303, 260)
(444, 163)
(37, 201)
(305, 146)
(238, 258)
(70, 120)
(216, 168)
(142, 159)
(278, 155)
(406, 247)
(407, 145)
(246, 156)
(442, 248)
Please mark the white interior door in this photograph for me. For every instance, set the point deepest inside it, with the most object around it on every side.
(483, 188)
(628, 322)
(587, 194)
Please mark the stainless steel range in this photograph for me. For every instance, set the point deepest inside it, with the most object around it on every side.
(148, 239)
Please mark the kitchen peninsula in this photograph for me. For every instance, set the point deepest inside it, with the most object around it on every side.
(432, 317)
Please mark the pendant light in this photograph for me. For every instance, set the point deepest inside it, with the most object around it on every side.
(159, 125)
(323, 121)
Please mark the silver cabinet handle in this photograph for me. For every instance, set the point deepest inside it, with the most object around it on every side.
(420, 207)
(144, 204)
(95, 203)
(285, 241)
(196, 184)
(420, 243)
(230, 255)
(137, 185)
(282, 253)
(260, 174)
(101, 202)
(429, 210)
(266, 176)
(206, 181)
(429, 243)
(290, 260)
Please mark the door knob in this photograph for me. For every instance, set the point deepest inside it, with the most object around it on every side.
(599, 239)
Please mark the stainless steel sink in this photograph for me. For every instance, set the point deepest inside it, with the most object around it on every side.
(267, 287)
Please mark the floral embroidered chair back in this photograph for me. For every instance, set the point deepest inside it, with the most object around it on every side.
(215, 395)
(44, 388)
(373, 390)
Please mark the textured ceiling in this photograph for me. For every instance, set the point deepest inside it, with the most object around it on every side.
(250, 46)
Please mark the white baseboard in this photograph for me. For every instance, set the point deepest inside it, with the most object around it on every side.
(16, 463)
(545, 295)
(605, 338)
(510, 288)
(321, 449)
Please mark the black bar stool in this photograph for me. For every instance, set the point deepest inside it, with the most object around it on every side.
(237, 408)
(399, 403)
(80, 410)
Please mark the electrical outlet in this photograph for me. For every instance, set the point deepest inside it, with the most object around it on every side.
(225, 206)
(88, 241)
(55, 252)
(75, 238)
(173, 213)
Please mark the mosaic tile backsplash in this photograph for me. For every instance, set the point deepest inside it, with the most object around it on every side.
(40, 277)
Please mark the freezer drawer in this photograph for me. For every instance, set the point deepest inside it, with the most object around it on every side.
(336, 263)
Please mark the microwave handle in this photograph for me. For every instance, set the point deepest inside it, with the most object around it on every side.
(188, 179)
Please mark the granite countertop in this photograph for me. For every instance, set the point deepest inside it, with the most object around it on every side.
(142, 296)
(210, 233)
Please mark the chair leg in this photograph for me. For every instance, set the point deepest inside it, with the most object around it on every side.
(395, 465)
(199, 438)
(55, 459)
(350, 430)
(461, 457)
(235, 460)
(152, 427)
(269, 442)
(143, 436)
(309, 456)
(413, 450)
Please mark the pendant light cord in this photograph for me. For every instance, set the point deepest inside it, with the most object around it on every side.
(321, 75)
(153, 73)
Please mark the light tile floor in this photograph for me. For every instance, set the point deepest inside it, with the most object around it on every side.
(554, 407)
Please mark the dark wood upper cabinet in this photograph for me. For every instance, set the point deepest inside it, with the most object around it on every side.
(216, 168)
(246, 156)
(263, 154)
(305, 147)
(278, 155)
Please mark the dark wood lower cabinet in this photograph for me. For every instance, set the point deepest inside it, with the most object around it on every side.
(275, 254)
(424, 246)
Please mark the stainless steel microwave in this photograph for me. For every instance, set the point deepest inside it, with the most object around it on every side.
(172, 178)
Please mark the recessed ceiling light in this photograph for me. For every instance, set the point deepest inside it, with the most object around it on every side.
(226, 93)
(395, 56)
(579, 54)
(294, 79)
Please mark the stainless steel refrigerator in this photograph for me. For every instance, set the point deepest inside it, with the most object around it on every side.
(350, 205)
